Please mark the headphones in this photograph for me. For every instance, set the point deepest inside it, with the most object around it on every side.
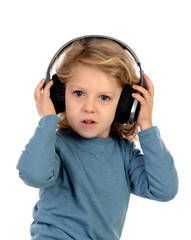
(128, 107)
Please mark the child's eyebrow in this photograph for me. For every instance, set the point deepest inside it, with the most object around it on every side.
(106, 93)
(76, 86)
(101, 92)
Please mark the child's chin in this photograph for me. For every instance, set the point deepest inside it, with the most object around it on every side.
(87, 135)
(93, 135)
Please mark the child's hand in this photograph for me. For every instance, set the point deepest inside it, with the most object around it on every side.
(44, 104)
(144, 119)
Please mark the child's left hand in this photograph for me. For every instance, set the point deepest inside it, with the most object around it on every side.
(144, 119)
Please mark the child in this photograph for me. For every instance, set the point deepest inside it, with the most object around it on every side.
(87, 169)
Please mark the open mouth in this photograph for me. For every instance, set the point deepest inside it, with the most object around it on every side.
(88, 123)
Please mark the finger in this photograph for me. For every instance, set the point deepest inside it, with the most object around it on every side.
(140, 89)
(41, 84)
(139, 98)
(149, 85)
(38, 88)
(145, 94)
(48, 86)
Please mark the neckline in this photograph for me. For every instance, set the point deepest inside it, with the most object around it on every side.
(95, 144)
(93, 139)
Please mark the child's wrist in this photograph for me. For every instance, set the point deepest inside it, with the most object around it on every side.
(146, 126)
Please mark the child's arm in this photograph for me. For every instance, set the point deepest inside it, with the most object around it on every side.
(152, 174)
(39, 164)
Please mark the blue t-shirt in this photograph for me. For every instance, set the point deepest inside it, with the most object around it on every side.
(85, 184)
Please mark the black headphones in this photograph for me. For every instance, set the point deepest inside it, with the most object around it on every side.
(128, 107)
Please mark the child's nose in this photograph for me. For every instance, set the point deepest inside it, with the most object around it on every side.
(89, 106)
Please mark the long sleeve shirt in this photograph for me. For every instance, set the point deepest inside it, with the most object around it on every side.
(85, 184)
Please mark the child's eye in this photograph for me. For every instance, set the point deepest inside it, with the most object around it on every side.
(78, 93)
(104, 98)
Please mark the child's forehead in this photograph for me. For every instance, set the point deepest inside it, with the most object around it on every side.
(88, 73)
(92, 77)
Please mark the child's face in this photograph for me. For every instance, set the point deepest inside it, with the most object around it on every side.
(91, 101)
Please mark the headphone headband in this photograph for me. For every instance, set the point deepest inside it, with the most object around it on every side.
(122, 44)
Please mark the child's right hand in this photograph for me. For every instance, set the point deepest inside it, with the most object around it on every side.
(44, 104)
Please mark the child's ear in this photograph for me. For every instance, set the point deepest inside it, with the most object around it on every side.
(57, 94)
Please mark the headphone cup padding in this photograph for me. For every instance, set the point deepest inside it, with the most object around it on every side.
(57, 94)
(125, 104)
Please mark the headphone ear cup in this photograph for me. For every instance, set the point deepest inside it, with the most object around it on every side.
(125, 104)
(57, 94)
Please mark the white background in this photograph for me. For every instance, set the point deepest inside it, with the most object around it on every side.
(159, 33)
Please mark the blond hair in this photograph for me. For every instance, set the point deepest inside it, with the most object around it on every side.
(110, 58)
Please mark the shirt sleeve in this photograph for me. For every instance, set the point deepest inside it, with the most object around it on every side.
(39, 164)
(152, 174)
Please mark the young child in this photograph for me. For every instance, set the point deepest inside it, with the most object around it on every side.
(85, 162)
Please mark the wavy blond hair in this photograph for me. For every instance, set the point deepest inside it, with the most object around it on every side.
(108, 57)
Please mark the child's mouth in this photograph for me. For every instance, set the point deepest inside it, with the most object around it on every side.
(88, 123)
